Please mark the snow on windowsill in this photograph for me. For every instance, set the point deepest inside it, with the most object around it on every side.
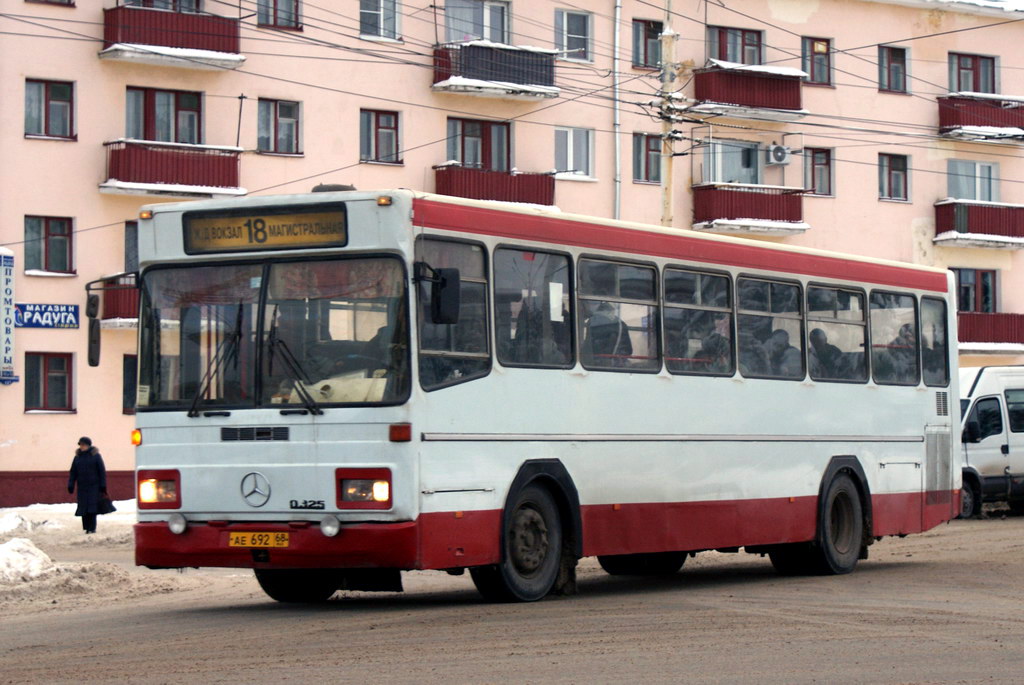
(138, 52)
(463, 83)
(759, 68)
(979, 239)
(48, 274)
(986, 203)
(169, 189)
(480, 42)
(984, 132)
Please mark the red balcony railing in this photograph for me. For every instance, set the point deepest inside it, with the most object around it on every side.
(136, 161)
(478, 184)
(734, 201)
(145, 26)
(747, 89)
(120, 298)
(489, 63)
(963, 216)
(957, 111)
(978, 327)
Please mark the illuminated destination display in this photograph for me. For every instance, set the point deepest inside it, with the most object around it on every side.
(279, 228)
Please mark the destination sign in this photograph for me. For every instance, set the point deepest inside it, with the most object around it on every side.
(274, 228)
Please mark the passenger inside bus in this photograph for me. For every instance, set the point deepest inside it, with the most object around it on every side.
(606, 340)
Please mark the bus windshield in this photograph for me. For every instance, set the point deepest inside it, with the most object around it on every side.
(303, 333)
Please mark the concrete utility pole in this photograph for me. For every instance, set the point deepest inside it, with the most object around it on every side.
(668, 75)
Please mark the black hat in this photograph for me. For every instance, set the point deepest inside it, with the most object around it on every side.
(85, 441)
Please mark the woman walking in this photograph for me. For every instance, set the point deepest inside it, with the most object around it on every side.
(88, 471)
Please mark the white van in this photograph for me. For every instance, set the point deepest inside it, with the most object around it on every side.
(992, 405)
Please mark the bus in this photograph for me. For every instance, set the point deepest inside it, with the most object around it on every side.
(336, 387)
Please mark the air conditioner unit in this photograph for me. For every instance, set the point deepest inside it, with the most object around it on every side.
(777, 154)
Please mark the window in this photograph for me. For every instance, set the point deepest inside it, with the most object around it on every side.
(131, 246)
(48, 244)
(618, 314)
(378, 136)
(731, 161)
(770, 329)
(976, 290)
(817, 60)
(646, 44)
(279, 13)
(279, 126)
(972, 180)
(818, 171)
(892, 177)
(176, 5)
(892, 69)
(532, 300)
(572, 34)
(934, 345)
(646, 158)
(989, 416)
(972, 73)
(129, 380)
(734, 45)
(472, 19)
(574, 151)
(47, 381)
(698, 323)
(1015, 410)
(836, 344)
(378, 18)
(894, 358)
(49, 108)
(453, 353)
(478, 144)
(170, 116)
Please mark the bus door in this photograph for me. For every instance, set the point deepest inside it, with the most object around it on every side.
(987, 447)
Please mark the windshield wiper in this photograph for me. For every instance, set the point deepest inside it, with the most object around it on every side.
(228, 349)
(292, 366)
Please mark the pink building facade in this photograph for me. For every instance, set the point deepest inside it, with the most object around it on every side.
(891, 129)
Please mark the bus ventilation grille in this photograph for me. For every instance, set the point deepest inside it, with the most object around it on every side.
(251, 433)
(942, 403)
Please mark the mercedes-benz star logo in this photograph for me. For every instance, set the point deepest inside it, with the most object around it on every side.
(255, 489)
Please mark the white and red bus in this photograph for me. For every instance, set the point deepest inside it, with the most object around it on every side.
(337, 387)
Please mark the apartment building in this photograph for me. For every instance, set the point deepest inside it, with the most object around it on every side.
(889, 128)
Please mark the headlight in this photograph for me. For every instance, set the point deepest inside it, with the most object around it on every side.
(365, 490)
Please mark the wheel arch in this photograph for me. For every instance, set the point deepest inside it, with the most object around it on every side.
(850, 465)
(552, 475)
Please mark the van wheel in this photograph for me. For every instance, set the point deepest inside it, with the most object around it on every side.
(531, 553)
(298, 585)
(970, 500)
(654, 564)
(1017, 507)
(840, 536)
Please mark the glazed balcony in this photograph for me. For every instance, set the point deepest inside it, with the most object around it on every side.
(141, 167)
(971, 223)
(744, 209)
(978, 327)
(749, 91)
(163, 37)
(491, 70)
(981, 116)
(479, 184)
(120, 302)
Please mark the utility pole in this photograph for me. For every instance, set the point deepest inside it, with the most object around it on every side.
(668, 75)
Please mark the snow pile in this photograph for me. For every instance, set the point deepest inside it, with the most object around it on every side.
(22, 561)
(11, 522)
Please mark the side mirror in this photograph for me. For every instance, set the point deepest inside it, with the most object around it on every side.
(445, 297)
(972, 432)
(94, 341)
(92, 306)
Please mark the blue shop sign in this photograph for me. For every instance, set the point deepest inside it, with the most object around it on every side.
(46, 315)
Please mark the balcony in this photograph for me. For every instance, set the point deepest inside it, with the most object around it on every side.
(982, 116)
(141, 167)
(744, 209)
(478, 184)
(1000, 331)
(120, 303)
(972, 223)
(165, 38)
(493, 70)
(748, 91)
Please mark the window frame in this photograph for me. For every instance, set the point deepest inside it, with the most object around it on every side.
(811, 319)
(486, 138)
(886, 67)
(714, 168)
(978, 179)
(976, 290)
(570, 153)
(149, 114)
(645, 54)
(44, 376)
(176, 5)
(976, 69)
(917, 333)
(886, 176)
(487, 29)
(751, 41)
(812, 67)
(45, 248)
(729, 309)
(811, 167)
(647, 158)
(372, 119)
(273, 7)
(272, 108)
(562, 35)
(925, 300)
(46, 101)
(800, 317)
(391, 32)
(129, 382)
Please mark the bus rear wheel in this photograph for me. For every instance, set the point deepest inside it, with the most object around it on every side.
(531, 554)
(653, 564)
(840, 536)
(298, 585)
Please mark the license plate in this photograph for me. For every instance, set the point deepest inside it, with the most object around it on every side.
(258, 540)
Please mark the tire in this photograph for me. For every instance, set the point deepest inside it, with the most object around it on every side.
(654, 564)
(1016, 507)
(840, 536)
(531, 551)
(298, 585)
(970, 500)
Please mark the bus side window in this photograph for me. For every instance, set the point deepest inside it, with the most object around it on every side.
(618, 316)
(934, 348)
(532, 299)
(837, 341)
(454, 353)
(698, 323)
(894, 357)
(770, 329)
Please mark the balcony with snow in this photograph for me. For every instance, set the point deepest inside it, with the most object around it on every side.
(504, 186)
(120, 303)
(982, 116)
(146, 167)
(495, 70)
(990, 333)
(973, 223)
(748, 209)
(193, 40)
(748, 91)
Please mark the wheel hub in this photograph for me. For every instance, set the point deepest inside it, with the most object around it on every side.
(528, 540)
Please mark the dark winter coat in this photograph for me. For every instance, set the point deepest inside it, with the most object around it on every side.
(88, 471)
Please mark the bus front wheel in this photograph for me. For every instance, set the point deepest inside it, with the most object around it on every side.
(531, 554)
(840, 536)
(298, 585)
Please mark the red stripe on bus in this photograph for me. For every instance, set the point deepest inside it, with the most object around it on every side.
(466, 219)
